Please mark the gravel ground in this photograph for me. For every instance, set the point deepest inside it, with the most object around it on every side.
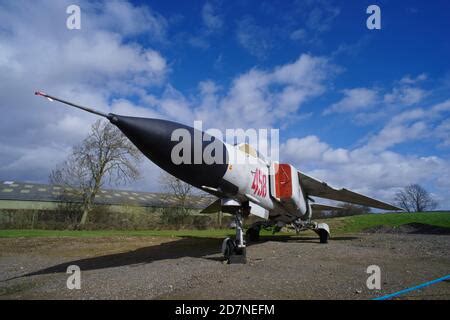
(192, 268)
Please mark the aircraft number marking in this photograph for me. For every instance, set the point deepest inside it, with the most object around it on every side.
(259, 185)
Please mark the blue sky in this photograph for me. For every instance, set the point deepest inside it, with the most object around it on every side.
(364, 109)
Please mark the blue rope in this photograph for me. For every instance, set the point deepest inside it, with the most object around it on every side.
(412, 288)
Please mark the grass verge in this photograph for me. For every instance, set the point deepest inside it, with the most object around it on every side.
(342, 225)
(355, 224)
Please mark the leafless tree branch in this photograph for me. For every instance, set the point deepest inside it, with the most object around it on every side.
(414, 198)
(106, 155)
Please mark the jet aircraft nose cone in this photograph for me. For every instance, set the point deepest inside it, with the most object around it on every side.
(156, 140)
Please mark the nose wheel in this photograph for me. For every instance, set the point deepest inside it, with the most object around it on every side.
(234, 250)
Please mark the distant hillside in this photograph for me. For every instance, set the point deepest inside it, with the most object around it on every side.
(354, 224)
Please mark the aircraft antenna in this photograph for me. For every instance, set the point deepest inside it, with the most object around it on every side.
(51, 98)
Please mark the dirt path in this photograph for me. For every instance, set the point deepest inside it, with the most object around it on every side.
(192, 268)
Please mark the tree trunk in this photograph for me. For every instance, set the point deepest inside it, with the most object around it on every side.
(219, 219)
(33, 219)
(86, 209)
(90, 199)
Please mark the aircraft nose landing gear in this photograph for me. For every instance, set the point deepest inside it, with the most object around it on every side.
(234, 250)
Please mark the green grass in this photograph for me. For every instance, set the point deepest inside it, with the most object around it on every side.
(212, 233)
(341, 225)
(356, 224)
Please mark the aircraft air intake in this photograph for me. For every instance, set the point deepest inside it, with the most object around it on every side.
(285, 188)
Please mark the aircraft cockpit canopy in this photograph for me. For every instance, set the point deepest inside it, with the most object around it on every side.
(248, 149)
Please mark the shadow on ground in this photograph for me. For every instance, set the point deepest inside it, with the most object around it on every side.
(185, 247)
(301, 239)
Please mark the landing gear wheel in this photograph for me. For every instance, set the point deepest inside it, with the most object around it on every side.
(228, 247)
(232, 253)
(234, 249)
(253, 234)
(239, 256)
(323, 235)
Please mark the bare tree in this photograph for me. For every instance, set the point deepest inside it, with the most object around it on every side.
(176, 214)
(414, 198)
(177, 188)
(106, 155)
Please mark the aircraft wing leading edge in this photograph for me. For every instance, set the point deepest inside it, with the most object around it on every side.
(317, 188)
(324, 207)
(214, 207)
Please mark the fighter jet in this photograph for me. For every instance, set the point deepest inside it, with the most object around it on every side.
(277, 193)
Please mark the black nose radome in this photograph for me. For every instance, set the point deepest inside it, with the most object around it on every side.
(153, 137)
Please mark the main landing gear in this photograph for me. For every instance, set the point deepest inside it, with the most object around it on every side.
(323, 235)
(322, 229)
(253, 233)
(254, 230)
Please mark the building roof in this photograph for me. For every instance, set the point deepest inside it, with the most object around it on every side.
(11, 190)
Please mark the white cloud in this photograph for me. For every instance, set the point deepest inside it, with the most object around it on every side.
(103, 56)
(122, 18)
(322, 16)
(211, 19)
(373, 172)
(405, 96)
(359, 102)
(339, 155)
(410, 125)
(443, 132)
(390, 101)
(406, 91)
(94, 67)
(299, 34)
(309, 148)
(373, 168)
(263, 98)
(354, 100)
(90, 66)
(175, 105)
(123, 106)
(254, 38)
(213, 23)
(352, 49)
(315, 18)
(394, 134)
(198, 42)
(411, 80)
(441, 107)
